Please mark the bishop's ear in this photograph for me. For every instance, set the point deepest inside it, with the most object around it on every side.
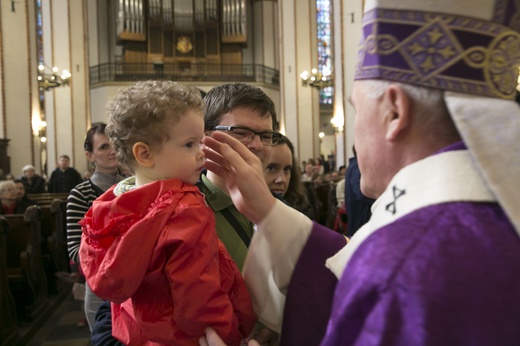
(143, 154)
(398, 116)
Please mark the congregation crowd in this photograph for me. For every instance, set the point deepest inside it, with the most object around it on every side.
(14, 190)
(335, 195)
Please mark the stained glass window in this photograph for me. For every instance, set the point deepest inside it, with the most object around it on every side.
(323, 14)
(39, 45)
(39, 31)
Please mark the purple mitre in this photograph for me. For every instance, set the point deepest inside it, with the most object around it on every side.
(473, 54)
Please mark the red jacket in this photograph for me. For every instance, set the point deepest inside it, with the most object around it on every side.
(154, 253)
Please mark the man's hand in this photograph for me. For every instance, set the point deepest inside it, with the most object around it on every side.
(243, 173)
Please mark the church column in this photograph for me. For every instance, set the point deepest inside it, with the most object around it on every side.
(349, 25)
(66, 107)
(18, 83)
(300, 106)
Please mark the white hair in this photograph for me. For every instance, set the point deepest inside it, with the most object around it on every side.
(28, 167)
(425, 100)
(6, 183)
(427, 104)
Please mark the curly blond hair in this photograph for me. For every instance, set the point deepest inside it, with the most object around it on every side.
(138, 114)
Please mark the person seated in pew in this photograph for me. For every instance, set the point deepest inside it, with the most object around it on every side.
(21, 195)
(33, 182)
(9, 202)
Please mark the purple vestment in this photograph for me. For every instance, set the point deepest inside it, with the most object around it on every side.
(443, 275)
(440, 273)
(308, 306)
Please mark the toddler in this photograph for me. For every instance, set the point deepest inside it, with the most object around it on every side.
(149, 244)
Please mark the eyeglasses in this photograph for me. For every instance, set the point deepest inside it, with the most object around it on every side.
(246, 135)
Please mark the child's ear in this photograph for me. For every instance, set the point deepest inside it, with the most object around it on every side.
(143, 155)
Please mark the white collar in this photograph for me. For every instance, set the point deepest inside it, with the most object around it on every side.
(441, 178)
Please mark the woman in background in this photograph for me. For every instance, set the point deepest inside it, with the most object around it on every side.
(9, 204)
(106, 173)
(283, 177)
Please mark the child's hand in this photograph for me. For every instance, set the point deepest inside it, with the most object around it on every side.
(212, 339)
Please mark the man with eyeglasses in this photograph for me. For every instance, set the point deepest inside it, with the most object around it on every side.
(246, 135)
(248, 114)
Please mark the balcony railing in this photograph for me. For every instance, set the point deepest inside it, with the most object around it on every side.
(183, 72)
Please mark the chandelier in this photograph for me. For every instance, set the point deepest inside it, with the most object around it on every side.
(51, 78)
(316, 79)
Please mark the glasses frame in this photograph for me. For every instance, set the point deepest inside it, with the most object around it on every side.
(276, 136)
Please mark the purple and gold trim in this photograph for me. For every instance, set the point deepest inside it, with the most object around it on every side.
(440, 51)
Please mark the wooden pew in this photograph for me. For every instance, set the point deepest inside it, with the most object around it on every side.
(25, 271)
(58, 239)
(8, 322)
(54, 247)
(46, 198)
(48, 225)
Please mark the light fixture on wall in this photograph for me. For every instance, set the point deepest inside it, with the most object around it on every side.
(316, 79)
(518, 81)
(51, 78)
(39, 128)
(338, 121)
